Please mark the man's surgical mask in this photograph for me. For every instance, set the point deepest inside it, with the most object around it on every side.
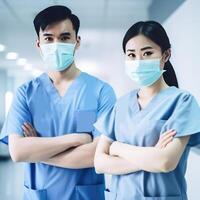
(58, 56)
(144, 72)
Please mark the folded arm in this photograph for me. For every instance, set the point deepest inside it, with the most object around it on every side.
(152, 159)
(108, 158)
(105, 163)
(37, 149)
(76, 158)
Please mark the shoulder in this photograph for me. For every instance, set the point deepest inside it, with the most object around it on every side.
(181, 94)
(29, 87)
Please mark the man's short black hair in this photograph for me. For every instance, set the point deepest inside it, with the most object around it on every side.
(54, 14)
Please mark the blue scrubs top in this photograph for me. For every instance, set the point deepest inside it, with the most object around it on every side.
(39, 103)
(171, 108)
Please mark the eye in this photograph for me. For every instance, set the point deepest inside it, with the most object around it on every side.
(148, 53)
(64, 38)
(131, 55)
(48, 39)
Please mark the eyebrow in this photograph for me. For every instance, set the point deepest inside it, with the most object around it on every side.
(62, 34)
(145, 48)
(65, 34)
(47, 34)
(142, 49)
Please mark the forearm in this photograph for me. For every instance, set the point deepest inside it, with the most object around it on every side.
(114, 165)
(108, 164)
(149, 159)
(77, 158)
(36, 149)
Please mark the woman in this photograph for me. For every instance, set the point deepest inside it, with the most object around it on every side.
(127, 149)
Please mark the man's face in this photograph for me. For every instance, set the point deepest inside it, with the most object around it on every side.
(59, 32)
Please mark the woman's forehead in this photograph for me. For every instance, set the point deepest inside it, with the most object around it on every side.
(139, 42)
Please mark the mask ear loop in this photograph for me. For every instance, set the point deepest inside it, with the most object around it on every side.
(75, 48)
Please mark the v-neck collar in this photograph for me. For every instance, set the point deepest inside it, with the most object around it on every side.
(152, 102)
(52, 91)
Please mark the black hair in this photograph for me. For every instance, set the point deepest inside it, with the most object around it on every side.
(54, 14)
(156, 33)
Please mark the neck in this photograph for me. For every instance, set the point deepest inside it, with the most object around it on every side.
(153, 89)
(66, 75)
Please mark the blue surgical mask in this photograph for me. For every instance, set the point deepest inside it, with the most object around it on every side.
(144, 72)
(58, 56)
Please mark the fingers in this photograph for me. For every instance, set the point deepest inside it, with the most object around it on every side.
(166, 138)
(28, 125)
(29, 131)
(25, 134)
(167, 133)
(26, 131)
(166, 142)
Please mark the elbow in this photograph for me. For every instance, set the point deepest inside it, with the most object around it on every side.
(15, 153)
(167, 165)
(98, 168)
(98, 165)
(15, 157)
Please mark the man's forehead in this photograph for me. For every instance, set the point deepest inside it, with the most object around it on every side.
(61, 27)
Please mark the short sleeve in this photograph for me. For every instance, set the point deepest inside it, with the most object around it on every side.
(107, 99)
(106, 124)
(17, 115)
(185, 119)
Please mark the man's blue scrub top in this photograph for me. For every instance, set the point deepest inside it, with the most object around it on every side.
(39, 103)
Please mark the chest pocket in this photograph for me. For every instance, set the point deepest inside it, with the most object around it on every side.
(43, 123)
(84, 120)
(152, 131)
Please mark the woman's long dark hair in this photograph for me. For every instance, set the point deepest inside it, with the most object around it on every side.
(156, 33)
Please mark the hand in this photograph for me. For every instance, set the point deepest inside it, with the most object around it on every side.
(114, 148)
(165, 139)
(29, 131)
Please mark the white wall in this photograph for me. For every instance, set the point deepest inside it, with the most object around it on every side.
(2, 91)
(184, 33)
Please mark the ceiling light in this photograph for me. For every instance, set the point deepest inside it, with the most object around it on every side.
(2, 47)
(21, 61)
(28, 67)
(11, 56)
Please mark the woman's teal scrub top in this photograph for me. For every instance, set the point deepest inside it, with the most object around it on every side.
(39, 103)
(171, 108)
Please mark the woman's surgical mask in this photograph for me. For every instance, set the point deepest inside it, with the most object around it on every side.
(58, 56)
(144, 72)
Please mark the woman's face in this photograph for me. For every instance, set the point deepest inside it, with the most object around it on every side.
(142, 48)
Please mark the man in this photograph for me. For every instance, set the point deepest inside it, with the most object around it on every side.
(61, 106)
